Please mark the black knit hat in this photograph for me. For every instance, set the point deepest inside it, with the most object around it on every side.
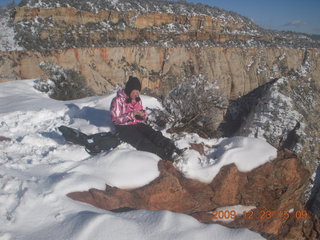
(132, 84)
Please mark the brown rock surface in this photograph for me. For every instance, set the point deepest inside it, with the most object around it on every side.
(72, 16)
(274, 188)
(4, 139)
(237, 71)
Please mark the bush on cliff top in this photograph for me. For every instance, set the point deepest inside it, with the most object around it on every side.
(196, 105)
(62, 84)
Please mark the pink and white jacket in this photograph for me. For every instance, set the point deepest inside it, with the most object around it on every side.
(122, 112)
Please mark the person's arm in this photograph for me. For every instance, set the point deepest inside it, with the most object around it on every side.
(140, 112)
(140, 115)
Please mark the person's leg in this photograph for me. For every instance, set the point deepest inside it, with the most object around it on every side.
(154, 136)
(132, 135)
(158, 139)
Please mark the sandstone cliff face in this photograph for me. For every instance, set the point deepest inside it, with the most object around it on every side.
(55, 26)
(160, 42)
(236, 70)
(71, 16)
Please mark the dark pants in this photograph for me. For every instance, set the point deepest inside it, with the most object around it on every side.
(145, 138)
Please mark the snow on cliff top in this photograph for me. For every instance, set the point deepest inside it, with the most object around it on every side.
(7, 41)
(144, 6)
(37, 169)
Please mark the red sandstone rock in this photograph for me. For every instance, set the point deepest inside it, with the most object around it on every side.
(275, 187)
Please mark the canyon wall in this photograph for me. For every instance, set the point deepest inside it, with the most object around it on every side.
(162, 43)
(236, 70)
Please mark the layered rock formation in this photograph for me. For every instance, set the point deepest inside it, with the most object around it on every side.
(160, 42)
(236, 70)
(273, 191)
(101, 23)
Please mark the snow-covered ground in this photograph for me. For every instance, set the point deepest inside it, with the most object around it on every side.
(38, 168)
(7, 41)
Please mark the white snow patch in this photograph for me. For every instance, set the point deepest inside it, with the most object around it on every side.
(7, 41)
(245, 153)
(37, 169)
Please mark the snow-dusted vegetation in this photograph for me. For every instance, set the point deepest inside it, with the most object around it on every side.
(45, 33)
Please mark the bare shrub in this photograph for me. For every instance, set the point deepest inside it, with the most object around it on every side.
(196, 105)
(62, 84)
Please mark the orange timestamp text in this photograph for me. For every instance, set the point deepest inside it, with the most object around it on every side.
(258, 214)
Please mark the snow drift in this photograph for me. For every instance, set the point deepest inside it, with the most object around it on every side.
(37, 169)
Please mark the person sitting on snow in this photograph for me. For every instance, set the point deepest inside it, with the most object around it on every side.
(128, 115)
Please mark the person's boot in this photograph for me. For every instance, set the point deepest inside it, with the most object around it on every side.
(179, 151)
(169, 150)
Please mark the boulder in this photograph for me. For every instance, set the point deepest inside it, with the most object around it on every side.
(273, 189)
